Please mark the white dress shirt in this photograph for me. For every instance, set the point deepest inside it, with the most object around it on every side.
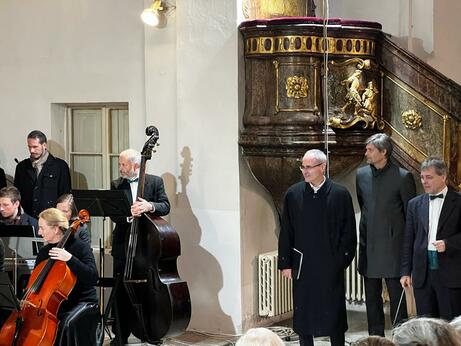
(435, 207)
(134, 189)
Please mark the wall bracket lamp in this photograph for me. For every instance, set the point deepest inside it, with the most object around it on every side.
(156, 13)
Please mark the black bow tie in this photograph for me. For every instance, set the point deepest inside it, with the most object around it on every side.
(432, 197)
(133, 180)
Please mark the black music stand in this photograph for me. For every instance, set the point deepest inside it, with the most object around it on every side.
(105, 203)
(8, 299)
(17, 231)
(20, 231)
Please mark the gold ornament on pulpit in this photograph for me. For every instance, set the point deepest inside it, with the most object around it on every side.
(264, 9)
(412, 120)
(361, 103)
(296, 87)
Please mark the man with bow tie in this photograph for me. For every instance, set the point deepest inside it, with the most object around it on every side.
(431, 261)
(154, 201)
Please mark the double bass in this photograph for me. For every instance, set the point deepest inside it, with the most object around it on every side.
(50, 283)
(160, 298)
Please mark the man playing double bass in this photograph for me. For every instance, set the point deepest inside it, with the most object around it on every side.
(154, 201)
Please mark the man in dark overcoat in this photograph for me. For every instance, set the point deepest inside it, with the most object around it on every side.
(154, 201)
(317, 242)
(431, 260)
(41, 178)
(383, 192)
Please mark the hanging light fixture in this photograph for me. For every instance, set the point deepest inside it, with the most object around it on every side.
(156, 13)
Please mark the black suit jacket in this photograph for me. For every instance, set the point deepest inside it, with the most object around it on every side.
(414, 259)
(40, 193)
(154, 191)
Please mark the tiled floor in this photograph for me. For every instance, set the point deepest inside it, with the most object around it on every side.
(356, 320)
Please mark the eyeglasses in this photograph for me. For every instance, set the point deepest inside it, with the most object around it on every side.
(307, 168)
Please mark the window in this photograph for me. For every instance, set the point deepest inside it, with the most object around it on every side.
(95, 136)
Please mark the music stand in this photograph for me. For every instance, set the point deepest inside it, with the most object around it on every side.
(105, 203)
(20, 231)
(8, 299)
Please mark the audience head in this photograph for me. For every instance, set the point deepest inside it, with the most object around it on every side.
(52, 223)
(373, 341)
(434, 174)
(456, 323)
(260, 337)
(426, 331)
(129, 162)
(36, 142)
(66, 204)
(313, 166)
(10, 199)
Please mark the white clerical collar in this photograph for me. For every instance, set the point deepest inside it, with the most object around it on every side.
(316, 188)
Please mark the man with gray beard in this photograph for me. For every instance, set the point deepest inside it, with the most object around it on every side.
(154, 201)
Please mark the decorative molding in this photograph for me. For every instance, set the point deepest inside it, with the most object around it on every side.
(411, 149)
(446, 133)
(268, 45)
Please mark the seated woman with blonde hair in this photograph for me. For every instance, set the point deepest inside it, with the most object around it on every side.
(79, 258)
(260, 337)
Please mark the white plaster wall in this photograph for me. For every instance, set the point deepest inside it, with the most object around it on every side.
(192, 88)
(182, 78)
(66, 51)
(447, 45)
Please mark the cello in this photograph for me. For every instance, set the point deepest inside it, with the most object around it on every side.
(50, 283)
(160, 298)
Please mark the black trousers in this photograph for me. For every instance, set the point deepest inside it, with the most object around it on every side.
(433, 299)
(335, 340)
(374, 303)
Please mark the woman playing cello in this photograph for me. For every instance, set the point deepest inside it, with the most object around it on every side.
(78, 257)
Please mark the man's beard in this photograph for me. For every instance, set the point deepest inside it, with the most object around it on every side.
(36, 158)
(130, 175)
(33, 158)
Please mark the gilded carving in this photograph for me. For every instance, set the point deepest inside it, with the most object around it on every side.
(353, 85)
(370, 100)
(361, 103)
(260, 9)
(296, 87)
(412, 119)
